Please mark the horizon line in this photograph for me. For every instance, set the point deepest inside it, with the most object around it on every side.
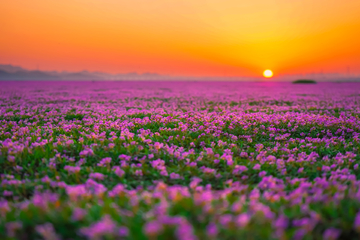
(306, 74)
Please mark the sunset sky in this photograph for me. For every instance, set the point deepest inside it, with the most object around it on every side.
(192, 37)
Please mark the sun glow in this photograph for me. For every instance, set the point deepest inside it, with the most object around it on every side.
(268, 73)
(235, 38)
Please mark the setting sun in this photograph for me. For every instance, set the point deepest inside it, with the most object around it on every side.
(268, 73)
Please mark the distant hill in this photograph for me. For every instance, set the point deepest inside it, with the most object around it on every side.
(26, 75)
(4, 74)
(10, 68)
(9, 72)
(80, 76)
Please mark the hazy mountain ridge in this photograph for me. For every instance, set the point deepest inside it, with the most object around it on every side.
(10, 72)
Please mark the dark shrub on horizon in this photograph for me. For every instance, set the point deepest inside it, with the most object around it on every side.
(304, 81)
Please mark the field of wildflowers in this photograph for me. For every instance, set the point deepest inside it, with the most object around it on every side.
(182, 160)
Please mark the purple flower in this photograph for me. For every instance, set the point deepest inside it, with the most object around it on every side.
(123, 231)
(118, 171)
(174, 176)
(105, 227)
(104, 162)
(299, 234)
(47, 231)
(357, 222)
(244, 154)
(225, 220)
(138, 172)
(242, 220)
(239, 169)
(78, 214)
(212, 230)
(331, 234)
(262, 173)
(257, 167)
(97, 176)
(12, 227)
(153, 228)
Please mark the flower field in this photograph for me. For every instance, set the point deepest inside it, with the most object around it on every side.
(181, 160)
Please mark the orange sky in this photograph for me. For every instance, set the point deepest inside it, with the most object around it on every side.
(188, 37)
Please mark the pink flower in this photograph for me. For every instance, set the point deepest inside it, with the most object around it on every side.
(185, 231)
(12, 227)
(262, 173)
(104, 162)
(105, 227)
(118, 171)
(325, 168)
(97, 176)
(257, 167)
(72, 169)
(174, 176)
(239, 169)
(242, 220)
(78, 214)
(357, 222)
(331, 234)
(244, 154)
(212, 230)
(123, 231)
(225, 220)
(116, 190)
(47, 231)
(138, 173)
(153, 228)
(11, 158)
